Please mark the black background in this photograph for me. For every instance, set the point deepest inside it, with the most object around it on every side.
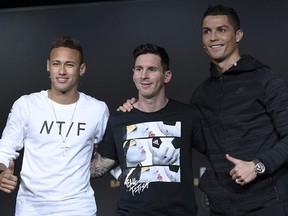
(109, 31)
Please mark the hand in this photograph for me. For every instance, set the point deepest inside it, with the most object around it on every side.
(243, 171)
(8, 181)
(165, 157)
(128, 105)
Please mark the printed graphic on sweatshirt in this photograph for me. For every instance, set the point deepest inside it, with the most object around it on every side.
(152, 151)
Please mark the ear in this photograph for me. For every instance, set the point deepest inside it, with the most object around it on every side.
(167, 76)
(82, 69)
(239, 35)
(48, 66)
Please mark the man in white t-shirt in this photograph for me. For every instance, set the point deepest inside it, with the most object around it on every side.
(57, 128)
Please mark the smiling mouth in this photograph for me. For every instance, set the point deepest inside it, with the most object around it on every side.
(62, 80)
(215, 46)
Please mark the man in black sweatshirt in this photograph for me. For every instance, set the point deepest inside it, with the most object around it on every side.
(244, 107)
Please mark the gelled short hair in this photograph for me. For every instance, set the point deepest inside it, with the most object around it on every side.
(153, 49)
(214, 10)
(69, 42)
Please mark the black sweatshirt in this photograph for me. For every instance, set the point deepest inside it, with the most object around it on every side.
(245, 114)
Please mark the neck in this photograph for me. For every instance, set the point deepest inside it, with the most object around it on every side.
(151, 104)
(228, 63)
(63, 98)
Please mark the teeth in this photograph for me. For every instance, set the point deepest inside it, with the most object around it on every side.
(61, 79)
(215, 46)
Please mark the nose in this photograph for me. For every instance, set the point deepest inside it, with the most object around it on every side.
(213, 36)
(144, 74)
(62, 70)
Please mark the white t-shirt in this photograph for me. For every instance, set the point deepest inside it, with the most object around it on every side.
(55, 176)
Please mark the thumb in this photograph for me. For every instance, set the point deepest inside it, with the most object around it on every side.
(11, 166)
(232, 159)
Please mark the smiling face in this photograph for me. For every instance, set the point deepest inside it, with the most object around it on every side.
(220, 40)
(65, 68)
(149, 76)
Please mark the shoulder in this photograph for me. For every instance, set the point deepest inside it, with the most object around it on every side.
(181, 106)
(91, 101)
(122, 116)
(32, 97)
(269, 78)
(181, 109)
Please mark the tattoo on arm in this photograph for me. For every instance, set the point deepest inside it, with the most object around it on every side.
(100, 165)
(98, 171)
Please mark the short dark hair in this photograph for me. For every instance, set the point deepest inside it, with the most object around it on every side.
(153, 49)
(69, 42)
(223, 10)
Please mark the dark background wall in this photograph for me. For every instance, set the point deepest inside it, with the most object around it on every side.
(109, 31)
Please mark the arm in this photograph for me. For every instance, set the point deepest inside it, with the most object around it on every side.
(276, 103)
(128, 105)
(11, 142)
(100, 165)
(8, 181)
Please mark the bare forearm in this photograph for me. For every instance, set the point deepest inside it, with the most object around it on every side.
(100, 165)
(98, 171)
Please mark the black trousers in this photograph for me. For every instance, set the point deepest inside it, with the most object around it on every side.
(275, 209)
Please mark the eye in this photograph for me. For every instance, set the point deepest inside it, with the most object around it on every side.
(137, 69)
(70, 65)
(153, 69)
(55, 64)
(205, 31)
(222, 30)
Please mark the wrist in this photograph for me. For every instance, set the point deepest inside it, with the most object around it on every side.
(1, 171)
(259, 167)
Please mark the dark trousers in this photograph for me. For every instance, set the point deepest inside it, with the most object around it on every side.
(276, 209)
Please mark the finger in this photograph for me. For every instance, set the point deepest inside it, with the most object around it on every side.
(121, 108)
(128, 105)
(8, 185)
(238, 181)
(10, 180)
(174, 157)
(5, 189)
(232, 159)
(232, 172)
(234, 177)
(133, 100)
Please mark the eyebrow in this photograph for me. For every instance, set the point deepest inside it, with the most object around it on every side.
(221, 26)
(64, 61)
(149, 67)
